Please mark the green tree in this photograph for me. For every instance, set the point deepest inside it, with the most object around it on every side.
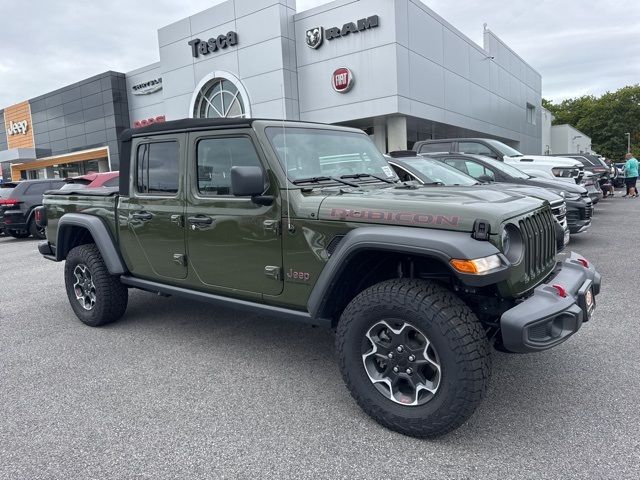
(605, 119)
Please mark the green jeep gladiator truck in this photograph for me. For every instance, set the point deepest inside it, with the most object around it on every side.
(308, 222)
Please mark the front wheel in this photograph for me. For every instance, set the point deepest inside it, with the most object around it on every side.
(413, 356)
(96, 296)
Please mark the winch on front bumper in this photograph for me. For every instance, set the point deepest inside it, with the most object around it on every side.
(555, 310)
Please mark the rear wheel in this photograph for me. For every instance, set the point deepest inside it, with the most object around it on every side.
(18, 233)
(413, 356)
(35, 231)
(96, 296)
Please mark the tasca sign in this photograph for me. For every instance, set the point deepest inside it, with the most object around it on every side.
(17, 128)
(315, 35)
(205, 47)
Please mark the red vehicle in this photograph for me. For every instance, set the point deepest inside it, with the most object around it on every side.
(92, 180)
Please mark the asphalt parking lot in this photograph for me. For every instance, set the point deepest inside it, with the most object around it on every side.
(182, 390)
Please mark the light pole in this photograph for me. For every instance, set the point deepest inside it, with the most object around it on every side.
(628, 142)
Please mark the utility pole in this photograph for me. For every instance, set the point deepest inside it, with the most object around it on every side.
(628, 142)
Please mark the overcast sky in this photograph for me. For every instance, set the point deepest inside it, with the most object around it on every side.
(578, 47)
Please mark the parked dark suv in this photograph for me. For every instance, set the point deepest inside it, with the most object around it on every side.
(579, 205)
(16, 210)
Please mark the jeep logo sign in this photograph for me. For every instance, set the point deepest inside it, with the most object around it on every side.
(17, 127)
(342, 80)
(313, 36)
(205, 47)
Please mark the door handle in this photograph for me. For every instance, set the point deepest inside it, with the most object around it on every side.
(200, 220)
(144, 216)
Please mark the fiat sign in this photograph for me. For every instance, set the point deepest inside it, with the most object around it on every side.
(342, 80)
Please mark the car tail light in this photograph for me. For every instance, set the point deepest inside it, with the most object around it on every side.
(9, 202)
(584, 262)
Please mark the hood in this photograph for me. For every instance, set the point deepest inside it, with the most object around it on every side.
(530, 191)
(447, 208)
(557, 185)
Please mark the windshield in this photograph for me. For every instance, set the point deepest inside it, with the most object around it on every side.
(504, 149)
(308, 153)
(507, 169)
(434, 171)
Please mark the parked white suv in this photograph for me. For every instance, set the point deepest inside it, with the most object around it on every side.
(562, 168)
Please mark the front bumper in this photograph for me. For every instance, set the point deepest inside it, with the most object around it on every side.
(579, 226)
(546, 319)
(579, 213)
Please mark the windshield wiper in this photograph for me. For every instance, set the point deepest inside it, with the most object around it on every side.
(324, 179)
(363, 175)
(438, 184)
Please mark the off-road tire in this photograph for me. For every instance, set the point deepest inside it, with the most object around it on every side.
(453, 330)
(111, 295)
(35, 232)
(17, 234)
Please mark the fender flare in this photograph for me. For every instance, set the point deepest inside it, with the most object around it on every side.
(442, 245)
(101, 236)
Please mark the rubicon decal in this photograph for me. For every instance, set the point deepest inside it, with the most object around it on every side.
(408, 218)
(17, 128)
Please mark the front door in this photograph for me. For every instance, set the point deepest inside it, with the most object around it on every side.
(151, 219)
(233, 244)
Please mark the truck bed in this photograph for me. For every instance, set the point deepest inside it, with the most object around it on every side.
(100, 202)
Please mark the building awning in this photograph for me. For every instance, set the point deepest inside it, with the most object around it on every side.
(74, 157)
(18, 155)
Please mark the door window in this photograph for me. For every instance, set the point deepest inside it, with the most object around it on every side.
(157, 168)
(475, 149)
(478, 171)
(457, 164)
(216, 156)
(38, 188)
(403, 175)
(444, 147)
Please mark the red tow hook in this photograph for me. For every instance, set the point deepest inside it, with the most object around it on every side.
(560, 290)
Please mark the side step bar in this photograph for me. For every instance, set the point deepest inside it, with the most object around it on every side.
(253, 307)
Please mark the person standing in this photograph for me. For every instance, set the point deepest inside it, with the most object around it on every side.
(631, 173)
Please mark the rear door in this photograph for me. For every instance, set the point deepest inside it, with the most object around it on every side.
(152, 217)
(233, 243)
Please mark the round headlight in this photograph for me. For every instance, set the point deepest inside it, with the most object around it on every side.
(506, 240)
(512, 243)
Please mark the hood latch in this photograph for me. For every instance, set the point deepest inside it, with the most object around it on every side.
(481, 229)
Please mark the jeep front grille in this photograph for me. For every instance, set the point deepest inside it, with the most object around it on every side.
(538, 233)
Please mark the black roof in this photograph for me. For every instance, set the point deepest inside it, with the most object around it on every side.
(187, 124)
(403, 153)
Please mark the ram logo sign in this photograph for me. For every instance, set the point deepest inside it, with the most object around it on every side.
(16, 128)
(315, 35)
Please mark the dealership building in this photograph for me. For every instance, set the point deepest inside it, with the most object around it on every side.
(393, 68)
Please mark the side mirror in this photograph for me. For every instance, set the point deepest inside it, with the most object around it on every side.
(249, 182)
(486, 178)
